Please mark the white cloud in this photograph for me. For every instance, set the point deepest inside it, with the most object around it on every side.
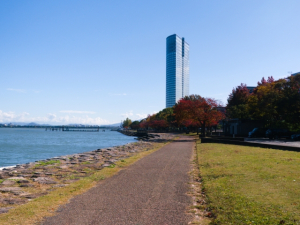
(141, 116)
(51, 116)
(136, 116)
(16, 90)
(6, 117)
(128, 114)
(77, 112)
(12, 117)
(81, 120)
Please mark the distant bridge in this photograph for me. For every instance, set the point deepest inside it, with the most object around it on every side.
(76, 129)
(64, 128)
(81, 129)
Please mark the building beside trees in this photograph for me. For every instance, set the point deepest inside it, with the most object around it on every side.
(177, 69)
(272, 104)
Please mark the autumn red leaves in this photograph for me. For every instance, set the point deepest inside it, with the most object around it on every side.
(192, 111)
(197, 111)
(276, 103)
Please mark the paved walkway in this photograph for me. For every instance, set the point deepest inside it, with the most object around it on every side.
(283, 142)
(151, 191)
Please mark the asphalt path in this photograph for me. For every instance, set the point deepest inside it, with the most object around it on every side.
(151, 191)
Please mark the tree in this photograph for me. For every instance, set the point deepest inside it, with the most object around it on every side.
(161, 120)
(263, 103)
(199, 111)
(276, 103)
(135, 125)
(290, 103)
(159, 124)
(166, 114)
(181, 112)
(265, 82)
(237, 102)
(126, 123)
(145, 123)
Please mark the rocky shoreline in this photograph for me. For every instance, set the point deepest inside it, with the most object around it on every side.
(140, 135)
(25, 182)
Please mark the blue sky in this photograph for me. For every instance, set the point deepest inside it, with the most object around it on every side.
(97, 62)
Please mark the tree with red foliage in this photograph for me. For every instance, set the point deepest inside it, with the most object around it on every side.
(181, 112)
(200, 111)
(144, 124)
(213, 116)
(159, 124)
(264, 81)
(188, 123)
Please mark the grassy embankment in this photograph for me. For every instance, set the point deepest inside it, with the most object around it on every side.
(34, 211)
(249, 185)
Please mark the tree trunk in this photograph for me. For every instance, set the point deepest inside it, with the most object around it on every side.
(203, 130)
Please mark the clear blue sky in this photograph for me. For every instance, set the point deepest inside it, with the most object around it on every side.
(96, 62)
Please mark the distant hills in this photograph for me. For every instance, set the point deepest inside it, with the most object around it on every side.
(26, 124)
(115, 124)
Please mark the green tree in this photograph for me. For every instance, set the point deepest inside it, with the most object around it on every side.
(289, 102)
(126, 123)
(166, 114)
(262, 105)
(237, 103)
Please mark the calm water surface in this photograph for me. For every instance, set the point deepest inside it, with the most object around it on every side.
(23, 145)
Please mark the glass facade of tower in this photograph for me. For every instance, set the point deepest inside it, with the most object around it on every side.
(178, 69)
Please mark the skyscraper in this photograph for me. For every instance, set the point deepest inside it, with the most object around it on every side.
(178, 69)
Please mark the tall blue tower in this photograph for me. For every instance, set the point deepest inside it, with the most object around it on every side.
(178, 69)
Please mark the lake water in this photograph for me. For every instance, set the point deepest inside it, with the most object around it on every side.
(23, 145)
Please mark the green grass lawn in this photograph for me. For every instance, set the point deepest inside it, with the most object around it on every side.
(249, 185)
